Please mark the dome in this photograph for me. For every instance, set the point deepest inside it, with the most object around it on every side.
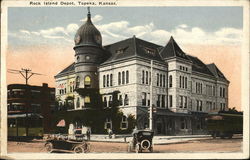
(88, 34)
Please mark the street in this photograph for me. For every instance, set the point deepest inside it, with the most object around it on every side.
(205, 144)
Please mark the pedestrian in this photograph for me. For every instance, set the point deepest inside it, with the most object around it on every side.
(110, 132)
(88, 134)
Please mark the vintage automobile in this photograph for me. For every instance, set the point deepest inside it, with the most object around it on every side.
(141, 141)
(62, 143)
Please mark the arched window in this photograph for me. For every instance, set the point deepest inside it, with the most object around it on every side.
(77, 82)
(127, 77)
(123, 77)
(111, 80)
(170, 81)
(87, 81)
(86, 100)
(107, 80)
(119, 78)
(104, 80)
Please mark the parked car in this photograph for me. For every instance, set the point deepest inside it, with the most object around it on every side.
(141, 141)
(64, 144)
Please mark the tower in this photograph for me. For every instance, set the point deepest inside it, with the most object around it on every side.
(88, 54)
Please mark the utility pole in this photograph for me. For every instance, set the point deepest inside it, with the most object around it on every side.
(151, 97)
(26, 74)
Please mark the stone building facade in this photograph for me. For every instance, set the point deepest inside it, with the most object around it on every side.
(184, 89)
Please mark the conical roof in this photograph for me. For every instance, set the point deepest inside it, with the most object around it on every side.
(88, 34)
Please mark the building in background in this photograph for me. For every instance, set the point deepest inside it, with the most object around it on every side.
(29, 109)
(119, 75)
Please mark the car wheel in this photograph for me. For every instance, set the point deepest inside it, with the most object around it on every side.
(86, 147)
(49, 147)
(78, 149)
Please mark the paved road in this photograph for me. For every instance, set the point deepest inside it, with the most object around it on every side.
(182, 144)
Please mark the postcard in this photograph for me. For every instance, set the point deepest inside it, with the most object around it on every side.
(123, 79)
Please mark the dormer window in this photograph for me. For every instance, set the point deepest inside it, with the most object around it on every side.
(121, 50)
(150, 51)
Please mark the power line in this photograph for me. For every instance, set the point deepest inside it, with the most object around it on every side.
(26, 73)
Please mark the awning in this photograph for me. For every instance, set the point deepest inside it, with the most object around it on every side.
(24, 115)
(61, 123)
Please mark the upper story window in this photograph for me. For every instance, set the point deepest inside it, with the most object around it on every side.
(170, 81)
(144, 98)
(127, 77)
(198, 87)
(161, 80)
(150, 51)
(143, 76)
(157, 81)
(107, 80)
(123, 77)
(119, 78)
(126, 100)
(111, 80)
(104, 80)
(164, 81)
(146, 77)
(87, 81)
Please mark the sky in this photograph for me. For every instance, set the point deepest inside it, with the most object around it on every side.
(41, 38)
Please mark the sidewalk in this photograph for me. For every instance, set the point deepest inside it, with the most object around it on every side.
(156, 140)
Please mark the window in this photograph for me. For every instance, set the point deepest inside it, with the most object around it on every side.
(180, 81)
(161, 80)
(158, 100)
(149, 77)
(78, 102)
(123, 77)
(77, 82)
(148, 100)
(119, 78)
(144, 98)
(124, 123)
(146, 77)
(170, 101)
(143, 77)
(186, 82)
(164, 81)
(104, 80)
(120, 100)
(170, 81)
(87, 81)
(86, 100)
(110, 103)
(163, 101)
(223, 92)
(181, 101)
(185, 102)
(108, 123)
(157, 80)
(127, 77)
(199, 105)
(105, 102)
(111, 80)
(107, 80)
(126, 100)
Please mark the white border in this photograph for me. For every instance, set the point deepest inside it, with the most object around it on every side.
(244, 92)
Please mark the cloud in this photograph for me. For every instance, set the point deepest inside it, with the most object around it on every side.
(119, 30)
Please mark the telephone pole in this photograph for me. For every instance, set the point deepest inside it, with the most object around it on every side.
(26, 74)
(151, 97)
